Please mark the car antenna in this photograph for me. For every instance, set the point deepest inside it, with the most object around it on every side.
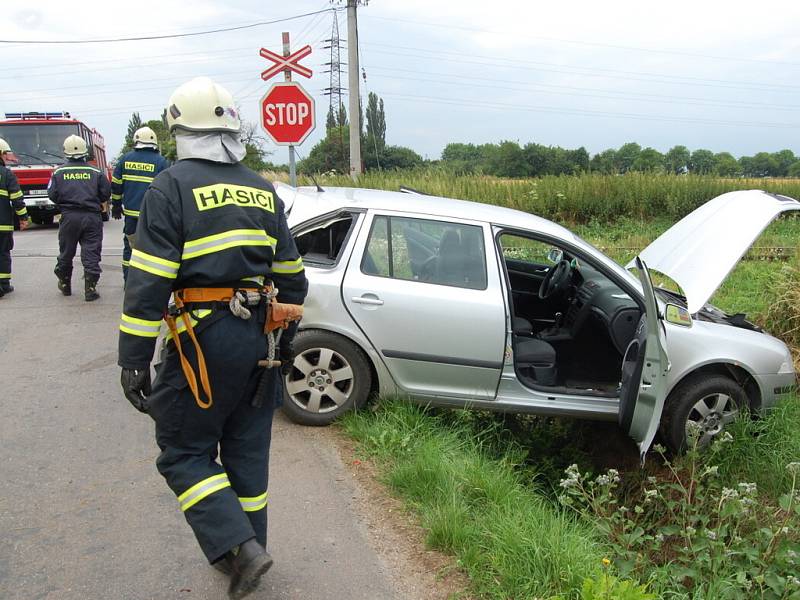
(319, 188)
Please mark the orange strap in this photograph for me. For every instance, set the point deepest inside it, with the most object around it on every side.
(210, 294)
(185, 365)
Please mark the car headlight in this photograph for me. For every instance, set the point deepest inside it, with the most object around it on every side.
(786, 368)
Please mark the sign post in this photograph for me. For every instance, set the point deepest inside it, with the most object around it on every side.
(287, 110)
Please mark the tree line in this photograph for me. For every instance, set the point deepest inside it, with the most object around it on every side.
(504, 159)
(510, 159)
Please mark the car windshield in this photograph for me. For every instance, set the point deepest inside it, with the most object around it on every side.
(37, 144)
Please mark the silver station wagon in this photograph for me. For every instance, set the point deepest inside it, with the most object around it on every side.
(462, 304)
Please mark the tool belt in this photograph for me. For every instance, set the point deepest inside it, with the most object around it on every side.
(278, 316)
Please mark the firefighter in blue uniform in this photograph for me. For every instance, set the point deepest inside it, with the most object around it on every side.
(132, 176)
(210, 229)
(79, 190)
(10, 202)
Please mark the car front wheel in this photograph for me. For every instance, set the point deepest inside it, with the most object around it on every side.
(701, 408)
(330, 376)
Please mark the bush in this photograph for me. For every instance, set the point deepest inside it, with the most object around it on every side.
(693, 537)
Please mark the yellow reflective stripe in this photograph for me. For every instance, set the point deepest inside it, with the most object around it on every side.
(138, 178)
(259, 279)
(287, 266)
(228, 239)
(22, 211)
(81, 168)
(115, 180)
(194, 317)
(3, 192)
(154, 265)
(130, 212)
(5, 275)
(254, 503)
(203, 489)
(140, 327)
(6, 228)
(16, 195)
(116, 196)
(125, 263)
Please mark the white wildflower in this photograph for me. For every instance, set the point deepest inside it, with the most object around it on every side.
(714, 471)
(747, 489)
(603, 480)
(638, 509)
(690, 531)
(728, 494)
(659, 537)
(791, 579)
(712, 535)
(659, 449)
(793, 468)
(649, 495)
(652, 480)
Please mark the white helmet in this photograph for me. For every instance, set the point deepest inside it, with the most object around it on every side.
(202, 105)
(75, 147)
(144, 137)
(4, 147)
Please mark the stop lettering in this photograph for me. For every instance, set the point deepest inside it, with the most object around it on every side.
(287, 113)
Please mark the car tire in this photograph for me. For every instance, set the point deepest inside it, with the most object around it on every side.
(719, 397)
(331, 376)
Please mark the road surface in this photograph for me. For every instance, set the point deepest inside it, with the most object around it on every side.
(84, 513)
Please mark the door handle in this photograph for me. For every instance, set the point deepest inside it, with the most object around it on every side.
(370, 300)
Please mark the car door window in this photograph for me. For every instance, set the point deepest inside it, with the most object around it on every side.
(428, 251)
(322, 244)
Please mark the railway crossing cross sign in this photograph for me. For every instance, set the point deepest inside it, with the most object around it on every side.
(286, 63)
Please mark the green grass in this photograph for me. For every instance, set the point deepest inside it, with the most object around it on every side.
(579, 198)
(474, 503)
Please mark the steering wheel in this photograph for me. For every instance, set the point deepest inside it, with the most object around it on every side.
(557, 278)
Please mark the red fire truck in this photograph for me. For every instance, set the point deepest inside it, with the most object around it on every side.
(37, 144)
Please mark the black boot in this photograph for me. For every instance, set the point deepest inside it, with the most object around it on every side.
(247, 567)
(64, 283)
(90, 288)
(6, 287)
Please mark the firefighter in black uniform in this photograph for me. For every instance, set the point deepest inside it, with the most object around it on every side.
(132, 176)
(208, 227)
(10, 201)
(79, 190)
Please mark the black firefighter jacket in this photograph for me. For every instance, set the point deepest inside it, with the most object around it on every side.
(204, 224)
(79, 186)
(10, 199)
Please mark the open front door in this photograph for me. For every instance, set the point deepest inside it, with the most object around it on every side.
(644, 372)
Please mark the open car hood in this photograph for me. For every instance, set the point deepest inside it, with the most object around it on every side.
(701, 249)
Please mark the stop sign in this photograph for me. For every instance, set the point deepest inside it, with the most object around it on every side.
(287, 113)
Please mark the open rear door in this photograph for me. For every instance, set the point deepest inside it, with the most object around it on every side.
(644, 371)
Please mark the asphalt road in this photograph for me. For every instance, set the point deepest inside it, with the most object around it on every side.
(84, 513)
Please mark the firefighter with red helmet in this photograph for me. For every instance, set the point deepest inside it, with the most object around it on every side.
(212, 234)
(10, 202)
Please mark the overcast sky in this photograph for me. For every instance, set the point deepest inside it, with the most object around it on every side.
(706, 74)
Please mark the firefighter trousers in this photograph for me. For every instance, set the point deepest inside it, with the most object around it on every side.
(128, 240)
(216, 460)
(84, 228)
(6, 245)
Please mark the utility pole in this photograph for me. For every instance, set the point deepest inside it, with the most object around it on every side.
(354, 91)
(287, 74)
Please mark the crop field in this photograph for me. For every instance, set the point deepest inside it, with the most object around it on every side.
(548, 508)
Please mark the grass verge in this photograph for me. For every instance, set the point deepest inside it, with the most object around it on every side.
(509, 539)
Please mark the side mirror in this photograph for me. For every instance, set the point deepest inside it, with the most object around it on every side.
(555, 255)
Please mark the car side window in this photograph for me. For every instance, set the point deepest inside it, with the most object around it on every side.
(321, 246)
(428, 251)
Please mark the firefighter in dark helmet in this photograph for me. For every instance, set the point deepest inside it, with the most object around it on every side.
(10, 202)
(213, 234)
(79, 190)
(132, 176)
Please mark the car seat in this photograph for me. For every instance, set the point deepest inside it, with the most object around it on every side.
(536, 358)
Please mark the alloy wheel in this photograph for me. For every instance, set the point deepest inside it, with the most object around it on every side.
(709, 416)
(321, 380)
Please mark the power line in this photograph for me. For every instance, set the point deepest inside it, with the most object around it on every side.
(170, 36)
(591, 72)
(604, 94)
(585, 43)
(590, 113)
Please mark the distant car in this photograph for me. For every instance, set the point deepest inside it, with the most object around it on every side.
(462, 304)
